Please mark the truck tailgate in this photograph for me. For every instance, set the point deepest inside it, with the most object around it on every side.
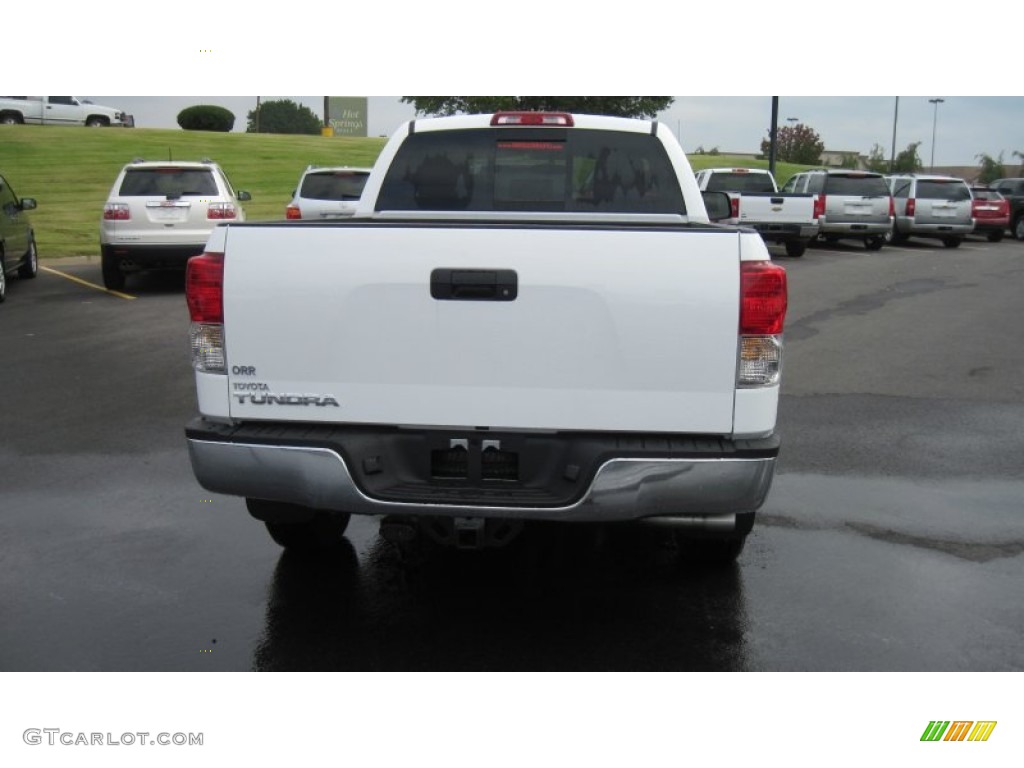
(611, 328)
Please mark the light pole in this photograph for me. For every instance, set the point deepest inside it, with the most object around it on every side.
(892, 157)
(935, 120)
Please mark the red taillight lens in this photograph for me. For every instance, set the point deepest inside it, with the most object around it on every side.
(292, 212)
(735, 207)
(204, 288)
(562, 119)
(892, 207)
(221, 211)
(911, 206)
(763, 298)
(819, 206)
(116, 212)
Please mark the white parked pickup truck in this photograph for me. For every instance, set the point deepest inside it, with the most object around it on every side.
(60, 110)
(790, 219)
(529, 317)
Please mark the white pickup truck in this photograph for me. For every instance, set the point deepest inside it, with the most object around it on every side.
(789, 219)
(529, 317)
(60, 110)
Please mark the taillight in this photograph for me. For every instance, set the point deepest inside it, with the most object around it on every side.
(763, 300)
(763, 297)
(221, 211)
(562, 119)
(292, 212)
(892, 207)
(116, 212)
(819, 206)
(735, 207)
(911, 206)
(204, 294)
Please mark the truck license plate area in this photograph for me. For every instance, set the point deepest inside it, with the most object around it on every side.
(474, 460)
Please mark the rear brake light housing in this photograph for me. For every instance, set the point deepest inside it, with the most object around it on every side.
(819, 206)
(735, 202)
(292, 212)
(116, 212)
(763, 303)
(892, 207)
(221, 211)
(551, 119)
(911, 206)
(204, 294)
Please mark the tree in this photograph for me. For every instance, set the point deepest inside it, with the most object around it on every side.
(284, 116)
(796, 144)
(620, 106)
(908, 160)
(992, 168)
(1021, 156)
(206, 117)
(877, 161)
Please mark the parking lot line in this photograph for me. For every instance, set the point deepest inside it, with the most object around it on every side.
(79, 280)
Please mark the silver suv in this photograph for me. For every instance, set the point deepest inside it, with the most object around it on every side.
(931, 206)
(851, 204)
(160, 214)
(327, 193)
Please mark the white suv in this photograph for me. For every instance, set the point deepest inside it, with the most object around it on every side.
(160, 214)
(327, 193)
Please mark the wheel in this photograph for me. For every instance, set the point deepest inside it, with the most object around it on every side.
(30, 267)
(795, 248)
(874, 243)
(3, 279)
(1018, 228)
(322, 532)
(889, 236)
(952, 242)
(995, 236)
(322, 529)
(95, 122)
(9, 120)
(709, 551)
(113, 277)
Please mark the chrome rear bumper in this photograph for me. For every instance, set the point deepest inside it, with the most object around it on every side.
(704, 493)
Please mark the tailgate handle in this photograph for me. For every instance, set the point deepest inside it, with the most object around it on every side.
(454, 284)
(778, 200)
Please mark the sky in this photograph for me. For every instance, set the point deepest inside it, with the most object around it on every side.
(841, 76)
(965, 126)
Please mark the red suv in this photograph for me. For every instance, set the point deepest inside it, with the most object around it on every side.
(991, 213)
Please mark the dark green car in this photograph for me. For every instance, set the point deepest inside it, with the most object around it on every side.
(17, 240)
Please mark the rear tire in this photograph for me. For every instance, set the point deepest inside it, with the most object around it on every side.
(30, 268)
(952, 242)
(1018, 228)
(716, 552)
(874, 243)
(113, 277)
(3, 279)
(995, 236)
(796, 248)
(323, 529)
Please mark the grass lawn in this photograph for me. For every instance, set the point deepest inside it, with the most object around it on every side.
(70, 170)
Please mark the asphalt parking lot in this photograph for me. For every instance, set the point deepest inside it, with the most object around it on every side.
(893, 538)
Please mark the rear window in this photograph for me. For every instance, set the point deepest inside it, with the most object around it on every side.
(333, 185)
(986, 194)
(740, 182)
(856, 184)
(515, 169)
(943, 190)
(168, 182)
